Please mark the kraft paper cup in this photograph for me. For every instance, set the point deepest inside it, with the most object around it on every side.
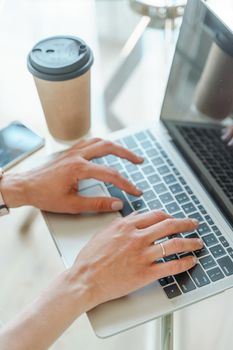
(60, 67)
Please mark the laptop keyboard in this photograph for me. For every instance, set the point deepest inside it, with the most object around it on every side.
(216, 156)
(165, 189)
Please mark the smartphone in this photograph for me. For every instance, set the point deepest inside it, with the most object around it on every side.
(16, 143)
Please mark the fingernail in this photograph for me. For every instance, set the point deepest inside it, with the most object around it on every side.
(195, 261)
(139, 190)
(118, 205)
(201, 242)
(141, 159)
(223, 137)
(230, 143)
(195, 221)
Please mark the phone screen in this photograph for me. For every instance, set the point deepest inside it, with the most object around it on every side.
(16, 142)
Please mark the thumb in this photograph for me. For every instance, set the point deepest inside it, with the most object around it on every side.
(97, 204)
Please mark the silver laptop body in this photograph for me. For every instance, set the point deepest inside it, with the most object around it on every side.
(190, 180)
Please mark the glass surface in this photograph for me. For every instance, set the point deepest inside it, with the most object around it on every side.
(15, 141)
(200, 86)
(199, 99)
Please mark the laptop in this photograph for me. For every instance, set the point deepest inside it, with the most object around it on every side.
(188, 171)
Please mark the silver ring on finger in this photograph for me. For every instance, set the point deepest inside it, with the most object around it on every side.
(163, 249)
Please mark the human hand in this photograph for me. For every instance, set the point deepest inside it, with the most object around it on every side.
(54, 186)
(122, 258)
(227, 135)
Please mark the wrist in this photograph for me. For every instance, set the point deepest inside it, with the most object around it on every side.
(81, 288)
(13, 190)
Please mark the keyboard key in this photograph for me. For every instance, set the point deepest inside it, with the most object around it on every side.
(149, 195)
(188, 189)
(139, 152)
(153, 179)
(179, 215)
(210, 240)
(131, 197)
(116, 166)
(207, 262)
(195, 200)
(115, 192)
(202, 209)
(217, 251)
(183, 255)
(209, 220)
(215, 274)
(131, 168)
(176, 188)
(163, 170)
(224, 241)
(169, 179)
(203, 229)
(216, 230)
(160, 188)
(198, 275)
(141, 136)
(110, 159)
(182, 180)
(139, 204)
(148, 170)
(172, 208)
(152, 153)
(230, 252)
(171, 257)
(137, 176)
(185, 283)
(143, 185)
(166, 280)
(188, 208)
(196, 216)
(201, 252)
(155, 205)
(191, 235)
(157, 161)
(130, 142)
(226, 265)
(166, 198)
(172, 291)
(182, 198)
(146, 144)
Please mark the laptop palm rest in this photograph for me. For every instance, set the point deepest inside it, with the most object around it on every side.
(72, 232)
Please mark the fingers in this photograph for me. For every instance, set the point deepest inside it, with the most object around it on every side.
(168, 227)
(227, 135)
(100, 172)
(80, 204)
(142, 221)
(173, 267)
(103, 148)
(174, 246)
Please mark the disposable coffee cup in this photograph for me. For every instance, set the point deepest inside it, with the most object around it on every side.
(60, 66)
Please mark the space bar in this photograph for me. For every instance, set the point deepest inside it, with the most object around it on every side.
(115, 192)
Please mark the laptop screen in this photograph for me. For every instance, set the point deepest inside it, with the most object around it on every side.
(199, 97)
(200, 86)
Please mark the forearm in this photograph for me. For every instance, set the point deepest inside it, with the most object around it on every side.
(48, 317)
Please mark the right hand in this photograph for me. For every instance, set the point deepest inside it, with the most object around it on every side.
(227, 135)
(122, 258)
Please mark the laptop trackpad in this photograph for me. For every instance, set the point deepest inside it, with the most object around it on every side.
(72, 232)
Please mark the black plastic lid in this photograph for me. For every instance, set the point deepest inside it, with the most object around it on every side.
(60, 58)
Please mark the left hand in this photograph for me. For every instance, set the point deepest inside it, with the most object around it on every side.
(54, 187)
